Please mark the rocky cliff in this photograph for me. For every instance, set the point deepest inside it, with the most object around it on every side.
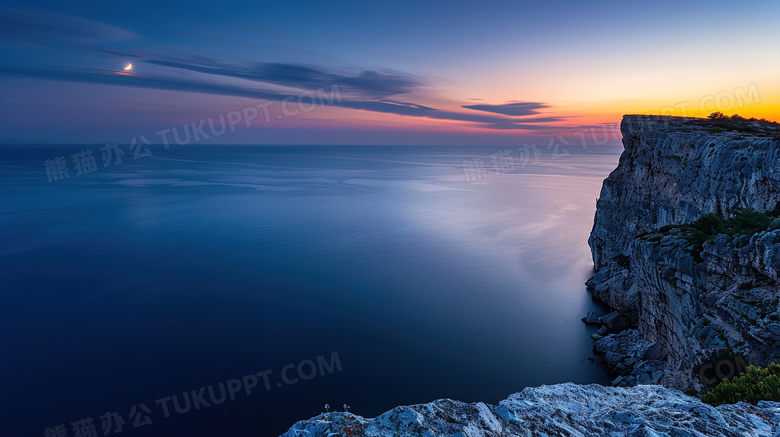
(559, 410)
(692, 303)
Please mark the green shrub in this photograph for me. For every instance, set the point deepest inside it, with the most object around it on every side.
(718, 122)
(752, 386)
(709, 224)
(747, 222)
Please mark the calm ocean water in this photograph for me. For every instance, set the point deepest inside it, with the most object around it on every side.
(206, 264)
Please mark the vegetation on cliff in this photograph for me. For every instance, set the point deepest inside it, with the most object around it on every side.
(752, 386)
(717, 122)
(746, 222)
(706, 228)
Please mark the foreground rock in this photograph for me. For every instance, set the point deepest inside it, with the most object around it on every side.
(694, 304)
(559, 410)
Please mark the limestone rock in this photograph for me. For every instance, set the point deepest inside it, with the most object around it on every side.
(616, 321)
(690, 304)
(559, 410)
(592, 319)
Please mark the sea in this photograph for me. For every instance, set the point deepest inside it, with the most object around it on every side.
(234, 290)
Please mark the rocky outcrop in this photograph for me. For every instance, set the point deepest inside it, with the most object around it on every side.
(559, 410)
(694, 303)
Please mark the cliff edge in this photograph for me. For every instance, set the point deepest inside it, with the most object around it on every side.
(697, 290)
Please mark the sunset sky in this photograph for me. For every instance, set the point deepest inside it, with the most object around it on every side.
(406, 72)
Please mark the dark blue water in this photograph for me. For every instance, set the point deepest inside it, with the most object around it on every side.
(204, 264)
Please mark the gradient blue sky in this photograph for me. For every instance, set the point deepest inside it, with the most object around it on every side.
(425, 72)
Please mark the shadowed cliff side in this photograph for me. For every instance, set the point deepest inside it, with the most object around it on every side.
(690, 302)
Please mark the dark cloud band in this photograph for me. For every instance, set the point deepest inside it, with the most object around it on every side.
(104, 77)
(366, 84)
(514, 109)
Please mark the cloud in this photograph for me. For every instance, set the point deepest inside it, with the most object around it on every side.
(366, 90)
(514, 109)
(531, 124)
(49, 27)
(104, 77)
(415, 110)
(366, 84)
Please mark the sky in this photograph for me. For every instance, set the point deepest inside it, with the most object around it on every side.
(371, 73)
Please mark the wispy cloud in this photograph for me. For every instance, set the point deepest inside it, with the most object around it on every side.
(47, 27)
(366, 84)
(414, 110)
(515, 109)
(104, 77)
(378, 91)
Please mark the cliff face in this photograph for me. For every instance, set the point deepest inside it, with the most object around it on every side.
(694, 303)
(559, 410)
